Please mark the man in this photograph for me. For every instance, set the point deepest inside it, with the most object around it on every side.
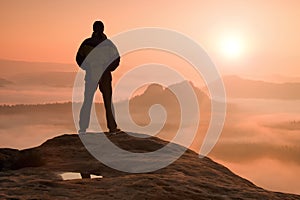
(98, 56)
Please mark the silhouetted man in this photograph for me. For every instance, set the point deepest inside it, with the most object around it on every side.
(98, 56)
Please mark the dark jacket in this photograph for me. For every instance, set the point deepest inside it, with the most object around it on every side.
(88, 45)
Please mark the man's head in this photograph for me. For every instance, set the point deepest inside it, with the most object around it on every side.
(98, 26)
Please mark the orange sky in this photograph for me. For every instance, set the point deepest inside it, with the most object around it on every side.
(52, 30)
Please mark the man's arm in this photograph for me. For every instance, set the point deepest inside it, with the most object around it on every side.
(85, 48)
(116, 61)
(79, 56)
(114, 64)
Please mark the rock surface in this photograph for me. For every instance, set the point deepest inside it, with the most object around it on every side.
(34, 174)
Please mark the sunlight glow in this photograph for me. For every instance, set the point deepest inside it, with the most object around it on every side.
(232, 47)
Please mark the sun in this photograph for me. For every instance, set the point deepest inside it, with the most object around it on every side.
(232, 46)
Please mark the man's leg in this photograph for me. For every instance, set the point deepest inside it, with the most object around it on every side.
(106, 90)
(85, 112)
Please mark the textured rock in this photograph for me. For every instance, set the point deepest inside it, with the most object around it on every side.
(34, 174)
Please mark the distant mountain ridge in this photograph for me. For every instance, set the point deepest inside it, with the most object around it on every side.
(9, 67)
(4, 82)
(237, 87)
(28, 75)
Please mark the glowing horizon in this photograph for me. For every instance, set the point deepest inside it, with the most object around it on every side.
(52, 32)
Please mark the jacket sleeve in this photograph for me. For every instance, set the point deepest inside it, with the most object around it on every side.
(79, 56)
(117, 59)
(114, 64)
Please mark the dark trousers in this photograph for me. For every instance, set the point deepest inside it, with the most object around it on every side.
(89, 91)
